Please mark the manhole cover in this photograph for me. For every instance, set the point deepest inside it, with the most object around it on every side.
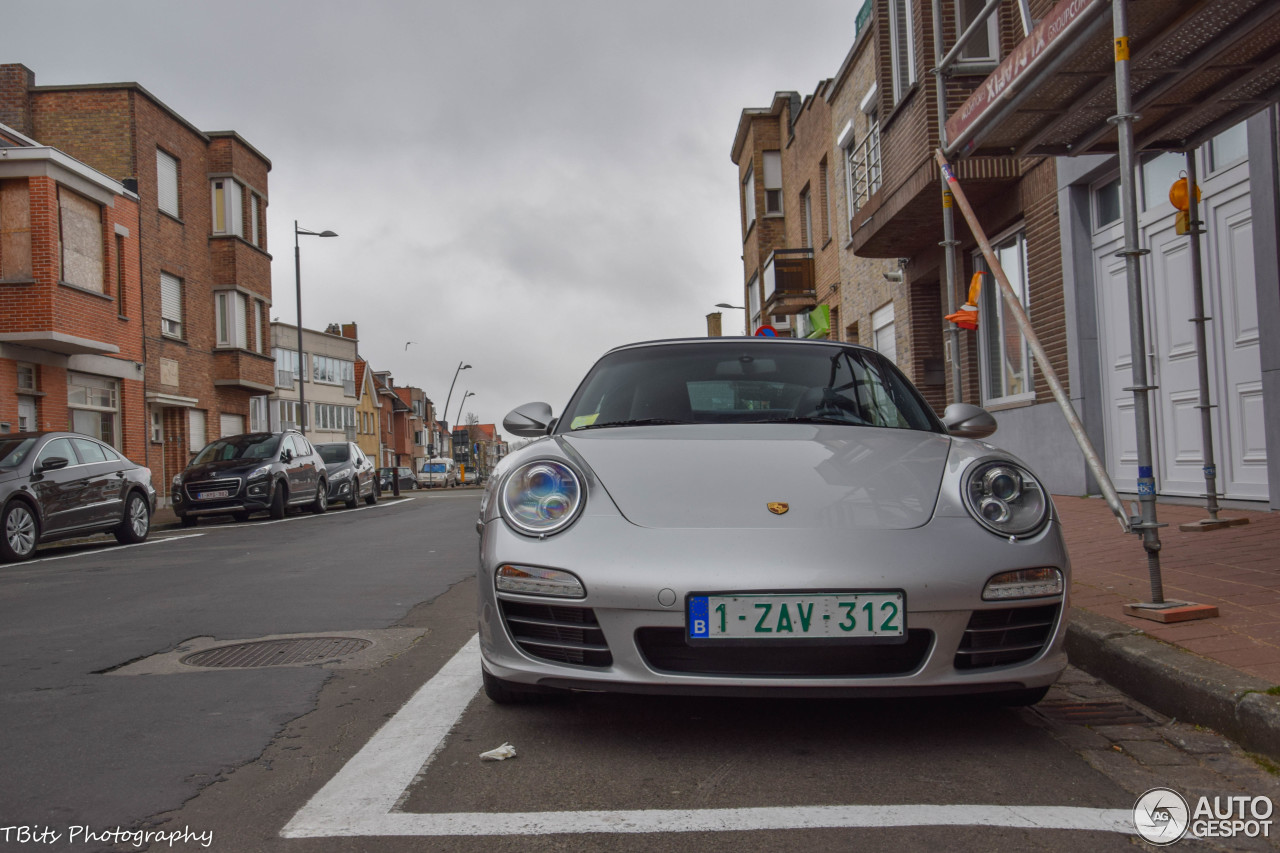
(277, 652)
(1094, 714)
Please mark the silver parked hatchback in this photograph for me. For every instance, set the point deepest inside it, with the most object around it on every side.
(765, 516)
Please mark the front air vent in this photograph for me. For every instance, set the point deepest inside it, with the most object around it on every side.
(1005, 636)
(557, 633)
(665, 650)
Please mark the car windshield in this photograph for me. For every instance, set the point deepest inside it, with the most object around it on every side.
(13, 451)
(435, 468)
(334, 453)
(259, 445)
(746, 382)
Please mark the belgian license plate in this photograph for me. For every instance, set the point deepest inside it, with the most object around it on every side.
(784, 616)
(209, 496)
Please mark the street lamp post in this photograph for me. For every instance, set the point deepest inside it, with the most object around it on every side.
(461, 367)
(460, 405)
(297, 273)
(740, 308)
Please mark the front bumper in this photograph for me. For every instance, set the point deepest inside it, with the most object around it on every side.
(627, 634)
(252, 497)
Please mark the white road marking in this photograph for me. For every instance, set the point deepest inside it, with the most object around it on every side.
(109, 549)
(361, 800)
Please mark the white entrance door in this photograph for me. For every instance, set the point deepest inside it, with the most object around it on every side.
(1232, 347)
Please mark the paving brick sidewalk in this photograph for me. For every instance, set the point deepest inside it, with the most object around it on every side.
(1237, 569)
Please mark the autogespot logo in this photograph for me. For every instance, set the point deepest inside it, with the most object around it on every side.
(1161, 816)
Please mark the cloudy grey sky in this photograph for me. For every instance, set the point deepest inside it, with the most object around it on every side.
(517, 185)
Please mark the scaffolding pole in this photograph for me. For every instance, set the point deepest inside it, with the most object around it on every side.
(1014, 303)
(1146, 525)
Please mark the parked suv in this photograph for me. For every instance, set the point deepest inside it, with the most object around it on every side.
(254, 472)
(351, 474)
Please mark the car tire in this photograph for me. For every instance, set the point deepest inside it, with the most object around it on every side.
(19, 532)
(321, 504)
(136, 523)
(373, 496)
(188, 520)
(241, 517)
(354, 501)
(502, 692)
(279, 502)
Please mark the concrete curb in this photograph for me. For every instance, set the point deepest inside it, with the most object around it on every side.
(1176, 682)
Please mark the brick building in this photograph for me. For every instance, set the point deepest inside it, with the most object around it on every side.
(71, 348)
(202, 252)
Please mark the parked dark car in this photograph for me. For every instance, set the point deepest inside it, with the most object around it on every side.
(59, 484)
(255, 472)
(351, 474)
(387, 476)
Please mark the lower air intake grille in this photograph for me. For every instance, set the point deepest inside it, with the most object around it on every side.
(557, 633)
(665, 649)
(1006, 636)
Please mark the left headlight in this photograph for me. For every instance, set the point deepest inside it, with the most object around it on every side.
(1006, 498)
(541, 497)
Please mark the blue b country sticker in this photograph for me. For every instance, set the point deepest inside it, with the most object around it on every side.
(699, 624)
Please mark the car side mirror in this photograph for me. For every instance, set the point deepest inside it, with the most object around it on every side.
(529, 421)
(968, 421)
(53, 463)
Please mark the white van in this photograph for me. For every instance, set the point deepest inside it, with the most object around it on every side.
(438, 471)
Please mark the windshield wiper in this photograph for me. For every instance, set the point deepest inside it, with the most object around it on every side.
(813, 419)
(636, 422)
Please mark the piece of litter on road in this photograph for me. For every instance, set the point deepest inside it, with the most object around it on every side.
(499, 753)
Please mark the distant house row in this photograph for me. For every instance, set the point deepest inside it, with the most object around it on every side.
(135, 290)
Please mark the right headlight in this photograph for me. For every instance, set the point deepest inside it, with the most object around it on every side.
(1005, 498)
(541, 497)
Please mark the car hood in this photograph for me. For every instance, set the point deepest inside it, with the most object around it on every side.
(222, 468)
(830, 477)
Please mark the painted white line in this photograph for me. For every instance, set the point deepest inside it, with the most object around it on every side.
(110, 549)
(361, 800)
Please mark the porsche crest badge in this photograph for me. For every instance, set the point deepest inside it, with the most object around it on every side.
(778, 508)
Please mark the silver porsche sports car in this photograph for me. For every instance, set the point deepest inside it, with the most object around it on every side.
(755, 516)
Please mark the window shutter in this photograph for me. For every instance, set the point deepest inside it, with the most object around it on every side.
(167, 183)
(170, 304)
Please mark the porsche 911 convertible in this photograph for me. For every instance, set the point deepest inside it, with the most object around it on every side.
(753, 516)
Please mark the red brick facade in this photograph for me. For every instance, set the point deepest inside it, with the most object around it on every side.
(118, 130)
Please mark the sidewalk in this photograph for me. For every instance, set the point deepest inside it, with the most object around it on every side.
(1221, 668)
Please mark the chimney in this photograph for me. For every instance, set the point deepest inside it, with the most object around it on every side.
(349, 331)
(713, 325)
(15, 105)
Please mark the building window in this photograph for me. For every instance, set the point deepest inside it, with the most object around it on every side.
(259, 419)
(806, 213)
(228, 216)
(335, 418)
(230, 318)
(1107, 203)
(287, 412)
(902, 49)
(255, 227)
(93, 404)
(824, 177)
(1006, 375)
(287, 362)
(749, 198)
(1158, 174)
(753, 304)
(157, 424)
(1229, 147)
(120, 303)
(258, 305)
(333, 371)
(884, 337)
(772, 182)
(170, 305)
(167, 184)
(15, 235)
(983, 48)
(195, 430)
(27, 391)
(27, 378)
(230, 425)
(80, 240)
